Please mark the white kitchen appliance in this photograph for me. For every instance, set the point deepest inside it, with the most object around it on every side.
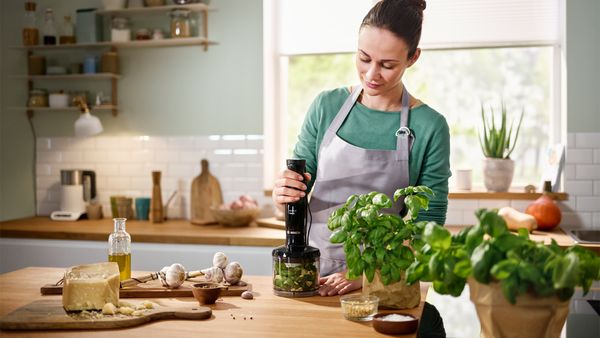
(77, 188)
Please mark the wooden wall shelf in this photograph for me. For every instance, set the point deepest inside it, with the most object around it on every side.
(96, 76)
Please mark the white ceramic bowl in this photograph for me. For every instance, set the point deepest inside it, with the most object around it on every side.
(58, 100)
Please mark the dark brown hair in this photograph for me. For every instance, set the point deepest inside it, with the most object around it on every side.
(404, 18)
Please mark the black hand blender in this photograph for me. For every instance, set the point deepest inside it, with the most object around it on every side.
(296, 264)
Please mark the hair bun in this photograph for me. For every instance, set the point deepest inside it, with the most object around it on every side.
(418, 4)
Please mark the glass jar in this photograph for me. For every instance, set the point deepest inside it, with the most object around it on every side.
(38, 98)
(49, 34)
(120, 31)
(30, 31)
(119, 248)
(180, 23)
(67, 34)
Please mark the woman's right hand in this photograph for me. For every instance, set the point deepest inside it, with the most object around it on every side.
(289, 188)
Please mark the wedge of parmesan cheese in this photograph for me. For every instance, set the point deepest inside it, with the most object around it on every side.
(90, 286)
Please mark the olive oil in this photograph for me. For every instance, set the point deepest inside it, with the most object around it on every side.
(119, 248)
(124, 262)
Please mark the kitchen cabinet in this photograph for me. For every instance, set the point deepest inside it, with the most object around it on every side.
(200, 40)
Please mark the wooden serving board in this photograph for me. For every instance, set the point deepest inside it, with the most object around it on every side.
(153, 289)
(50, 315)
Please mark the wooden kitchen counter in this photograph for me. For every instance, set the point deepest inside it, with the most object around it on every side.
(174, 231)
(272, 316)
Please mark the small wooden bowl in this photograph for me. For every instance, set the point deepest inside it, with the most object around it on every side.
(235, 217)
(206, 292)
(394, 327)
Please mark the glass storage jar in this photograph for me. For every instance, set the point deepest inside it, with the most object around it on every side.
(120, 31)
(38, 98)
(180, 23)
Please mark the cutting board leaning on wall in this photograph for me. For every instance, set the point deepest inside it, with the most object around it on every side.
(206, 193)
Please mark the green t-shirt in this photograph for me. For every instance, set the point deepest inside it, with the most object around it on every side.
(429, 161)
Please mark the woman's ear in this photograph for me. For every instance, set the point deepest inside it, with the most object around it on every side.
(414, 58)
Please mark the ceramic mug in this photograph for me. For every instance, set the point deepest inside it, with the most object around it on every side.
(142, 208)
(464, 179)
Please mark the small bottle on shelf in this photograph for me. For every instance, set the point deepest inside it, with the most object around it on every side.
(49, 33)
(119, 248)
(67, 34)
(30, 30)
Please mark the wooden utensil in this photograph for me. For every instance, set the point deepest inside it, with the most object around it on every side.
(50, 315)
(206, 193)
(156, 206)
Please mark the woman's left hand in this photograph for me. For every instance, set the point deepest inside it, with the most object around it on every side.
(337, 284)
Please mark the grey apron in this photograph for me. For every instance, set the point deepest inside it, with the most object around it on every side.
(344, 169)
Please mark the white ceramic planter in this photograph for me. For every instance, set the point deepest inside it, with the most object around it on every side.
(498, 174)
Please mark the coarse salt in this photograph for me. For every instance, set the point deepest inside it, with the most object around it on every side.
(396, 318)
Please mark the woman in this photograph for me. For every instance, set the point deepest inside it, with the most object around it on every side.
(371, 137)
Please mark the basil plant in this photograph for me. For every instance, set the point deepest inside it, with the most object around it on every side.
(374, 240)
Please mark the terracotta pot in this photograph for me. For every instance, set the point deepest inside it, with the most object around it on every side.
(397, 295)
(498, 173)
(531, 316)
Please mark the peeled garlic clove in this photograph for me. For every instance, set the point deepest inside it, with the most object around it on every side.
(220, 260)
(233, 273)
(214, 274)
(175, 276)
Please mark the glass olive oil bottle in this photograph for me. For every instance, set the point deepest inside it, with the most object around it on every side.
(119, 248)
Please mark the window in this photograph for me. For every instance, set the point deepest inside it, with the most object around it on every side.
(459, 69)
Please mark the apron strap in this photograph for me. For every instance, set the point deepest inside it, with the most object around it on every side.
(404, 139)
(340, 117)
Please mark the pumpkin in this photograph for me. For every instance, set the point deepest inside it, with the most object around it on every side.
(545, 211)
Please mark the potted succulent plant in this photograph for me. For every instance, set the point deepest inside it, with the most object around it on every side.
(520, 288)
(376, 244)
(497, 143)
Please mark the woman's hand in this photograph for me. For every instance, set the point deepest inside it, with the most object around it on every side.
(289, 188)
(337, 284)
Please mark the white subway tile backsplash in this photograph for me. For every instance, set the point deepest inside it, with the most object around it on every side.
(596, 156)
(107, 169)
(570, 171)
(180, 143)
(117, 183)
(108, 143)
(49, 157)
(597, 188)
(570, 140)
(520, 205)
(192, 156)
(95, 156)
(469, 217)
(576, 220)
(71, 156)
(587, 140)
(493, 204)
(142, 155)
(461, 204)
(179, 170)
(130, 169)
(587, 171)
(166, 156)
(576, 156)
(43, 170)
(155, 143)
(47, 182)
(454, 217)
(42, 144)
(118, 156)
(59, 143)
(588, 204)
(596, 220)
(84, 143)
(46, 208)
(579, 187)
(141, 183)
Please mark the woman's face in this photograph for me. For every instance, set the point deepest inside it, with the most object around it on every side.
(381, 60)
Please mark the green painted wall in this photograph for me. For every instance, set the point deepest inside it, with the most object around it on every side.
(583, 66)
(163, 91)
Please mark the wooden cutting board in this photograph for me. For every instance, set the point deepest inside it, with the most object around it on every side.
(206, 193)
(153, 289)
(50, 315)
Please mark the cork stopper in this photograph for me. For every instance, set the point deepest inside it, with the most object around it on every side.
(30, 6)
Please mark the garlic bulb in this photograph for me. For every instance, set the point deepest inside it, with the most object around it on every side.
(220, 260)
(173, 276)
(233, 273)
(214, 274)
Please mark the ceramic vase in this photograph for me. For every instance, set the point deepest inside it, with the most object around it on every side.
(498, 174)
